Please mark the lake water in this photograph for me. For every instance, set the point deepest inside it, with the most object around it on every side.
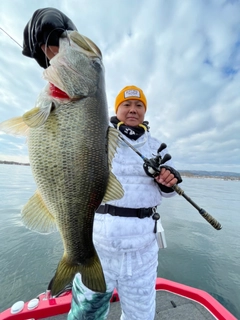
(197, 254)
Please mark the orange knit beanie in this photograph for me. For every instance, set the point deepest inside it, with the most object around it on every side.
(130, 93)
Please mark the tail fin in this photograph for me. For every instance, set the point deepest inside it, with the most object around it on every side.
(92, 275)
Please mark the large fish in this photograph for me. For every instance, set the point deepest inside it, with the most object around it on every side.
(70, 150)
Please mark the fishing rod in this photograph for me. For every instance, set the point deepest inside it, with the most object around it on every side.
(153, 166)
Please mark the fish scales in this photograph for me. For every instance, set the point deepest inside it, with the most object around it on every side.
(73, 159)
(71, 170)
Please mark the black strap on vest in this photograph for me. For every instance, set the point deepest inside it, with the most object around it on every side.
(126, 212)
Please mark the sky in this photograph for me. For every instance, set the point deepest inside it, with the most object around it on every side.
(184, 55)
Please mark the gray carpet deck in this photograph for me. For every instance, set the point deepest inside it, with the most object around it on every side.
(169, 306)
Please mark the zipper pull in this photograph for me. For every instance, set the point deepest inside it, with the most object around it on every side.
(156, 217)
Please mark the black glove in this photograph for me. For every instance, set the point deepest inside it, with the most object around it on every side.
(45, 27)
(174, 172)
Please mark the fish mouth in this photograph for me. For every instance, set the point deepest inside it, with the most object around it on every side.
(73, 68)
(87, 46)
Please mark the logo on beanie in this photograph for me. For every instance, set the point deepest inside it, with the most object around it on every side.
(131, 93)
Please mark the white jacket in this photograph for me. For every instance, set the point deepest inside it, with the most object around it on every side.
(140, 191)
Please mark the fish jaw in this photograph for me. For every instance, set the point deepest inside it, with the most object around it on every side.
(77, 68)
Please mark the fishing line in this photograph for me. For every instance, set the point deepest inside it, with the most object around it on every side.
(11, 37)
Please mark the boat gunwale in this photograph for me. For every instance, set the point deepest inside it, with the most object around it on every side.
(60, 305)
(196, 295)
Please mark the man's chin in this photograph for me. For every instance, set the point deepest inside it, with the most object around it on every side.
(132, 123)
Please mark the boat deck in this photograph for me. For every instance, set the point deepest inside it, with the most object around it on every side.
(169, 306)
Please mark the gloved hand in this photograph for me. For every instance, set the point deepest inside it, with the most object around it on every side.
(45, 27)
(168, 176)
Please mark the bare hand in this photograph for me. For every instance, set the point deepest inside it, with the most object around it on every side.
(50, 51)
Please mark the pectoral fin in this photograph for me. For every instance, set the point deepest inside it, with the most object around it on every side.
(114, 187)
(37, 116)
(15, 126)
(36, 216)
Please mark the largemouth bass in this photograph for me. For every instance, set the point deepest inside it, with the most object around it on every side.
(70, 150)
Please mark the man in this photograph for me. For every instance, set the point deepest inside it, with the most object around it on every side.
(124, 229)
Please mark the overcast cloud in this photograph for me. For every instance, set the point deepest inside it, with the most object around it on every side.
(185, 55)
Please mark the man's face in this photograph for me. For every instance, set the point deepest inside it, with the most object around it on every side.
(131, 112)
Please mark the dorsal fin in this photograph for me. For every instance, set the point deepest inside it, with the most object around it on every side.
(114, 187)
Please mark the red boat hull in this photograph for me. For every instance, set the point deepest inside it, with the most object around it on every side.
(55, 306)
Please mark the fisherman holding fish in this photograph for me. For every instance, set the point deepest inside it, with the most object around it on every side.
(102, 202)
(124, 229)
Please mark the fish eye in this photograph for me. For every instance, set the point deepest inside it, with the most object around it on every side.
(97, 63)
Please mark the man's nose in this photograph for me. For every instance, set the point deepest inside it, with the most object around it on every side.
(133, 108)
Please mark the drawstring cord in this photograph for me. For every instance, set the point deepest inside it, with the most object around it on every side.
(140, 125)
(127, 262)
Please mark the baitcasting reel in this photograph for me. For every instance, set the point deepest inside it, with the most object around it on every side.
(152, 166)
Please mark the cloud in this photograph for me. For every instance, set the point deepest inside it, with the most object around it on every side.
(184, 55)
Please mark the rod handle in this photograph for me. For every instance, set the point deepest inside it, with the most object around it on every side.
(203, 213)
(210, 219)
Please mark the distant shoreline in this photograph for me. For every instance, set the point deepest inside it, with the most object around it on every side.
(184, 173)
(14, 163)
(225, 176)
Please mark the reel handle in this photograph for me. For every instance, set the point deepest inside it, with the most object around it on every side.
(165, 158)
(162, 147)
